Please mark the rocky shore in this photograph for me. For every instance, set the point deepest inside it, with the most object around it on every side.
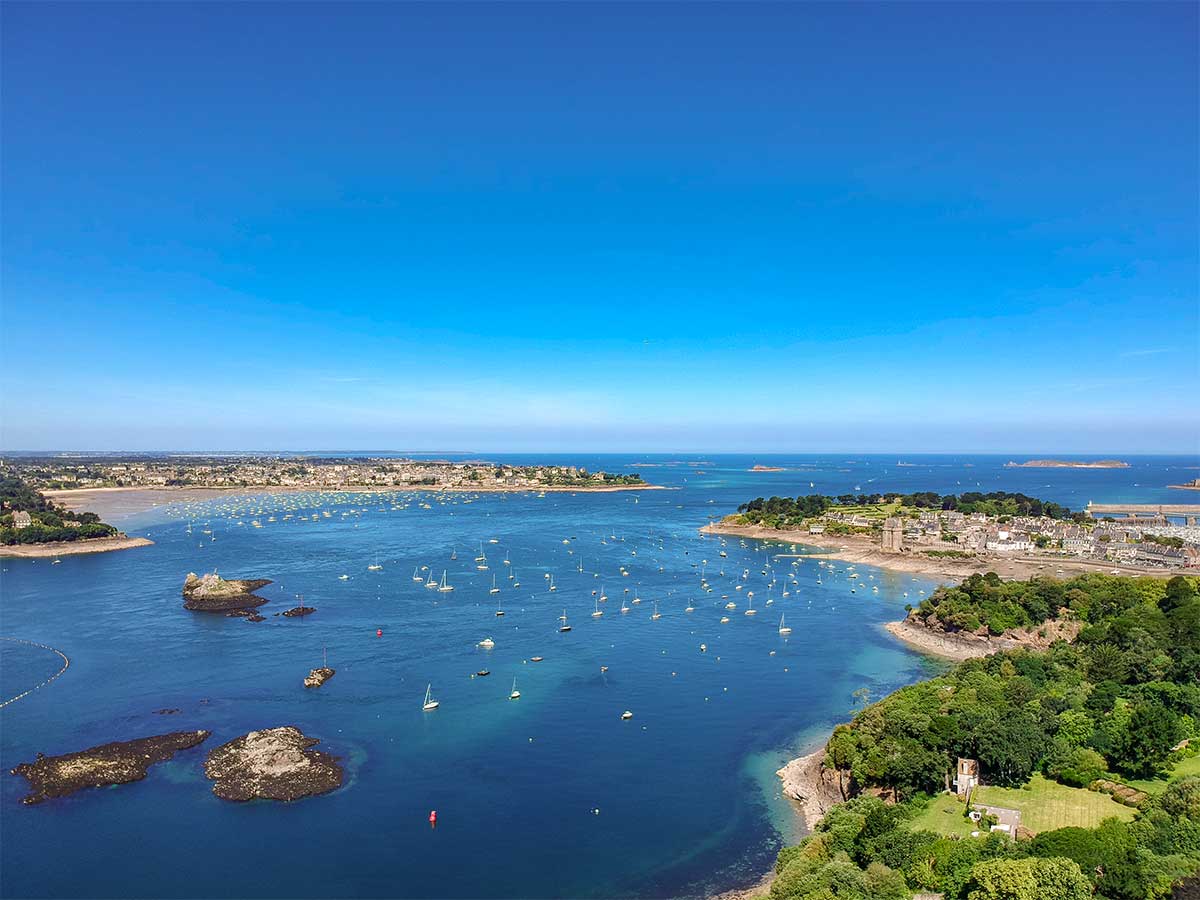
(930, 636)
(53, 549)
(273, 764)
(119, 762)
(211, 593)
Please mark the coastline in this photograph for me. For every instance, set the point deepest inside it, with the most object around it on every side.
(128, 501)
(72, 548)
(863, 550)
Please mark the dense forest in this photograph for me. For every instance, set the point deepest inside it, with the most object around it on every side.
(48, 522)
(788, 512)
(1119, 703)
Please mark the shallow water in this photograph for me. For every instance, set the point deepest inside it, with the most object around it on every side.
(685, 791)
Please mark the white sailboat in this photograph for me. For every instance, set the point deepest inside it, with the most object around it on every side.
(783, 629)
(599, 612)
(656, 614)
(563, 619)
(494, 590)
(416, 576)
(444, 587)
(430, 703)
(514, 694)
(431, 582)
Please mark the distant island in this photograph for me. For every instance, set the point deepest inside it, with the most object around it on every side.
(1190, 486)
(31, 525)
(767, 469)
(1068, 464)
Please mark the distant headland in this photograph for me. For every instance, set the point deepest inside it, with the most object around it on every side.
(1068, 464)
(32, 525)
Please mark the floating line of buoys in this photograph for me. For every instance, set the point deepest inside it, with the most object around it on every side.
(65, 666)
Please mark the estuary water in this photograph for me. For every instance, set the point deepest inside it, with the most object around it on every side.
(551, 795)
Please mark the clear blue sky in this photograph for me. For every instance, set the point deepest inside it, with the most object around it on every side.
(657, 227)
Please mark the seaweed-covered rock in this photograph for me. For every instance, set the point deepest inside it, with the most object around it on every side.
(119, 762)
(273, 764)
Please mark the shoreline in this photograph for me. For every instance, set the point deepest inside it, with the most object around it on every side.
(130, 501)
(72, 548)
(863, 550)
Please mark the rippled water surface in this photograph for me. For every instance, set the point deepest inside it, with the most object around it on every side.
(549, 795)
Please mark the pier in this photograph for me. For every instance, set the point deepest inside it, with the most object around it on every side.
(1187, 511)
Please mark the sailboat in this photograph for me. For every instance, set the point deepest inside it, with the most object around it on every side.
(494, 590)
(373, 567)
(431, 582)
(516, 582)
(416, 576)
(481, 557)
(487, 643)
(625, 607)
(563, 618)
(599, 612)
(553, 587)
(750, 611)
(656, 614)
(514, 694)
(603, 596)
(499, 609)
(430, 703)
(689, 607)
(783, 629)
(445, 588)
(454, 553)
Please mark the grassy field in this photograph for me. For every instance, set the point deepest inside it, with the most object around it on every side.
(1046, 805)
(1155, 786)
(945, 816)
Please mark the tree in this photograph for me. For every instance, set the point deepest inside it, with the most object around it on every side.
(1028, 879)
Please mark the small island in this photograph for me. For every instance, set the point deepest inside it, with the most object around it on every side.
(212, 593)
(759, 468)
(119, 762)
(272, 764)
(1068, 464)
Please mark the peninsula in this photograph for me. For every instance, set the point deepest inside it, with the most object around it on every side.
(32, 525)
(953, 536)
(1019, 763)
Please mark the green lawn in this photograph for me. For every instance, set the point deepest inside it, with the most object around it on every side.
(1155, 786)
(1046, 805)
(945, 816)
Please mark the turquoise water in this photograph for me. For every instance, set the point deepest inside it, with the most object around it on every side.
(685, 791)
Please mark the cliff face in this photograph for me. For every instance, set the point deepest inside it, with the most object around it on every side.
(1035, 637)
(816, 788)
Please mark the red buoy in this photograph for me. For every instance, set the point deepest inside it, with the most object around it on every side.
(378, 632)
(433, 817)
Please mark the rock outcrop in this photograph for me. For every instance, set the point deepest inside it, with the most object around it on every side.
(212, 593)
(811, 784)
(273, 764)
(318, 677)
(117, 763)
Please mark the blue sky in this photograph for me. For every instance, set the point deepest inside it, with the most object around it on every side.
(648, 227)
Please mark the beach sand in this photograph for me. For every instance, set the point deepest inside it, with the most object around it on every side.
(114, 503)
(72, 548)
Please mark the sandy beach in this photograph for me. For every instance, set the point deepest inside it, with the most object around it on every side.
(72, 548)
(121, 502)
(866, 551)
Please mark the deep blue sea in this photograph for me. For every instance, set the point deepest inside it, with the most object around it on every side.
(551, 795)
